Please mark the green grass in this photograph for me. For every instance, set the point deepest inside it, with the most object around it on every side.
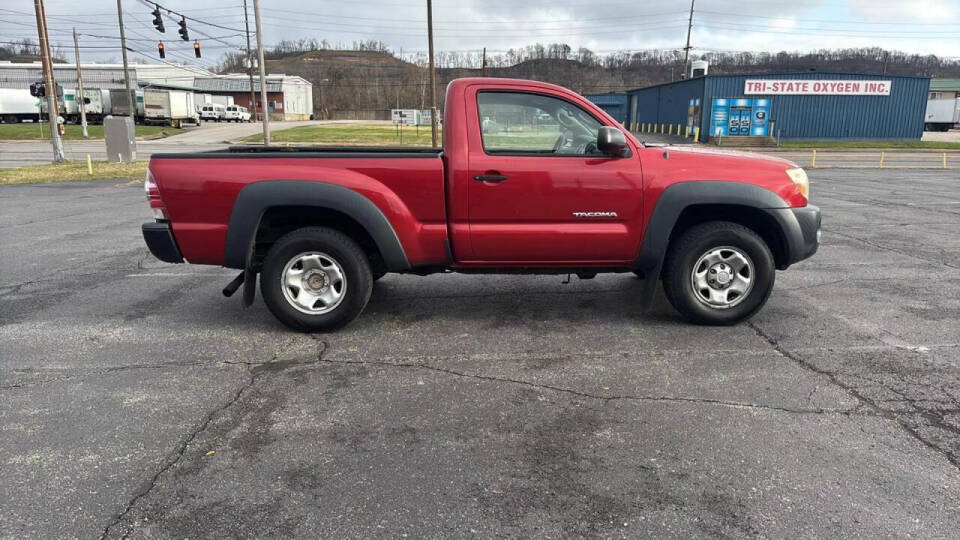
(855, 145)
(349, 134)
(73, 172)
(27, 132)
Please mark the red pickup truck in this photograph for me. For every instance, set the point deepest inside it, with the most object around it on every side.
(532, 178)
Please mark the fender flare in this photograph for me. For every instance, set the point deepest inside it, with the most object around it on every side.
(256, 198)
(676, 198)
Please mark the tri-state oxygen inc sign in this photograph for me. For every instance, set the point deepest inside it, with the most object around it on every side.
(796, 87)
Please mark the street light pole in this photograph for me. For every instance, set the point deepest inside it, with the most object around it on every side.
(433, 75)
(263, 75)
(50, 86)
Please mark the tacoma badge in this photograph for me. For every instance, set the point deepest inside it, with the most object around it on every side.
(594, 214)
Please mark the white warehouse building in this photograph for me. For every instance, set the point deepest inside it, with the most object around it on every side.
(289, 97)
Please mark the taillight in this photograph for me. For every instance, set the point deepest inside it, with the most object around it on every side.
(153, 197)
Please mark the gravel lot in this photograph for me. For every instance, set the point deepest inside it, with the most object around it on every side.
(136, 400)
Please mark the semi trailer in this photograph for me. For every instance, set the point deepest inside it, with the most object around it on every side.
(942, 114)
(96, 105)
(17, 105)
(169, 107)
(120, 100)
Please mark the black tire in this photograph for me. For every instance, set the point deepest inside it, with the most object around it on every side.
(378, 274)
(686, 250)
(346, 253)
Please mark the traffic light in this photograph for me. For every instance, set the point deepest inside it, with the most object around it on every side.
(196, 48)
(158, 20)
(183, 30)
(161, 50)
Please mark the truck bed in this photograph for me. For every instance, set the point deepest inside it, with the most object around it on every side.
(405, 183)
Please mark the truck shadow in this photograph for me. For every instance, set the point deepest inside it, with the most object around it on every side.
(510, 301)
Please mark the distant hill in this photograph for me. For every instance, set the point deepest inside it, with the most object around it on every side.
(376, 79)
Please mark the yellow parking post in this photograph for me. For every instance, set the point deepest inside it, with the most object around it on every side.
(882, 156)
(90, 165)
(813, 162)
(670, 129)
(944, 160)
(678, 130)
(696, 134)
(686, 133)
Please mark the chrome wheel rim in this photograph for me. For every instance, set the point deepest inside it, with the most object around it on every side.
(313, 283)
(722, 277)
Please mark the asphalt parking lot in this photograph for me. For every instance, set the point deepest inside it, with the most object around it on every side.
(136, 401)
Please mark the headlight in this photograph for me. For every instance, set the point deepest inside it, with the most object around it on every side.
(799, 177)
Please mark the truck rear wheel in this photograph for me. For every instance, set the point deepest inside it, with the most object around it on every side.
(316, 279)
(718, 273)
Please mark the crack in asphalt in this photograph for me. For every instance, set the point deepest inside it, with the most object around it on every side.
(937, 420)
(273, 365)
(607, 398)
(254, 371)
(891, 249)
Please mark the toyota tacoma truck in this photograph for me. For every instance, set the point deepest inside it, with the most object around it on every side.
(531, 178)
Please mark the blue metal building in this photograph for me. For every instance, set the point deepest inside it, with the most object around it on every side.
(613, 103)
(807, 105)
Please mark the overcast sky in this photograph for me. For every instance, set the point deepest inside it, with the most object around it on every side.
(917, 26)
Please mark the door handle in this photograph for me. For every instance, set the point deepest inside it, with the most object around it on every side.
(489, 178)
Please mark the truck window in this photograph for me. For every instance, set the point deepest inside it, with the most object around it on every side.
(524, 123)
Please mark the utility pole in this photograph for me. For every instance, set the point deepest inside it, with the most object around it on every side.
(686, 50)
(50, 85)
(246, 23)
(483, 64)
(263, 75)
(80, 97)
(131, 95)
(433, 75)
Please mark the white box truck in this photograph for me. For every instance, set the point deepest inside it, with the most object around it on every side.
(942, 114)
(169, 107)
(17, 105)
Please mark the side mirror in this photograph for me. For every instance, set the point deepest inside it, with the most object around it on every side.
(611, 141)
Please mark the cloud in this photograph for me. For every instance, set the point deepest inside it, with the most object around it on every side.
(905, 11)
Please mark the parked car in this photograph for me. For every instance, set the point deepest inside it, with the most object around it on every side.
(321, 225)
(236, 113)
(212, 112)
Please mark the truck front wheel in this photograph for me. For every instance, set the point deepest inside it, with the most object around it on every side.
(718, 273)
(316, 279)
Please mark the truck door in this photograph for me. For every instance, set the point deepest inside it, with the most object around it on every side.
(540, 191)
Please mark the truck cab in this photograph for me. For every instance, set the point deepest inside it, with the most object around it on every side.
(532, 178)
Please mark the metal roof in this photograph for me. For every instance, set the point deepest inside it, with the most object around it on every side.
(950, 85)
(223, 84)
(21, 75)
